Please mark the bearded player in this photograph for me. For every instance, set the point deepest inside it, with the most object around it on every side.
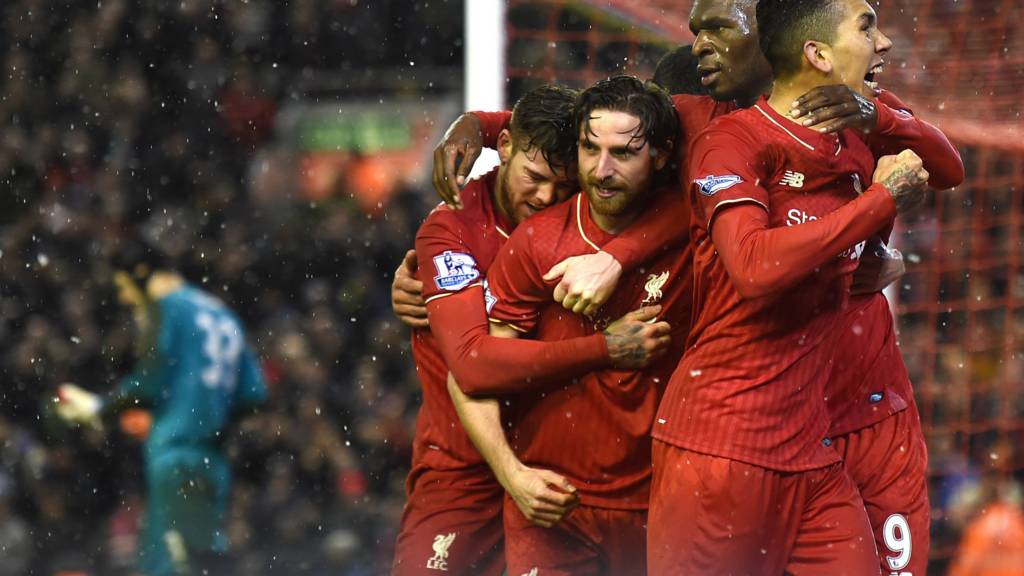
(594, 431)
(453, 517)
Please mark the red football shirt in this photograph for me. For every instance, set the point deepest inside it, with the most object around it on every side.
(454, 249)
(668, 227)
(595, 430)
(751, 384)
(869, 379)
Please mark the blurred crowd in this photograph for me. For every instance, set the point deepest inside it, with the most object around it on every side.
(121, 117)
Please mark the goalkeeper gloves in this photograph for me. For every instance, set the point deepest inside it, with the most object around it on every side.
(78, 406)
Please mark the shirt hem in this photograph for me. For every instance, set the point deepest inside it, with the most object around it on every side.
(729, 455)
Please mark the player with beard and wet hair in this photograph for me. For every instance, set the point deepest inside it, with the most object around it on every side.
(452, 521)
(595, 430)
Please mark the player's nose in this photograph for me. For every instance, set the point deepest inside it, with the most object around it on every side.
(701, 45)
(882, 42)
(546, 194)
(605, 166)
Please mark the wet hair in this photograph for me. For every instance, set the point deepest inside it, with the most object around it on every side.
(677, 72)
(784, 26)
(649, 102)
(542, 119)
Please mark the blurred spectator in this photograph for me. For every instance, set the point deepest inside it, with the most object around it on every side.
(993, 540)
(120, 115)
(14, 534)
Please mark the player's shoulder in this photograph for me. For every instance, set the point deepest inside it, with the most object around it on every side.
(737, 131)
(739, 121)
(476, 205)
(545, 231)
(688, 105)
(190, 299)
(551, 222)
(894, 102)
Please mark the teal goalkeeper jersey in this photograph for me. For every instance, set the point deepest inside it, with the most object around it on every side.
(195, 371)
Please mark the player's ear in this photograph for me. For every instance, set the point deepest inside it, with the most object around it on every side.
(661, 155)
(818, 55)
(505, 145)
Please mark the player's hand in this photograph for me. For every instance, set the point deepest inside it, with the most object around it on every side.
(78, 406)
(460, 147)
(407, 294)
(544, 497)
(832, 108)
(587, 281)
(905, 178)
(636, 339)
(881, 267)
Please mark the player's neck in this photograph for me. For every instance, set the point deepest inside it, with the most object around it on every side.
(786, 91)
(500, 199)
(749, 100)
(161, 284)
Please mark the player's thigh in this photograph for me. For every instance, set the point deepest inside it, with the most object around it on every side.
(889, 464)
(565, 549)
(835, 536)
(713, 515)
(623, 541)
(452, 523)
(189, 493)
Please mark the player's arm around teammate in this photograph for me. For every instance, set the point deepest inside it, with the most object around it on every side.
(533, 490)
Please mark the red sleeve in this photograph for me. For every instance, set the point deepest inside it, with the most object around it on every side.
(729, 202)
(664, 227)
(898, 129)
(446, 264)
(487, 365)
(727, 167)
(763, 261)
(491, 124)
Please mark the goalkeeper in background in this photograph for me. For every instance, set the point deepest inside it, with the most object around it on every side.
(196, 373)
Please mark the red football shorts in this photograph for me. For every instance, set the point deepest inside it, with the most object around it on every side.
(451, 524)
(888, 462)
(715, 516)
(589, 542)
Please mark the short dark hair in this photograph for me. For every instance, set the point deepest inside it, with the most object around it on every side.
(140, 257)
(677, 72)
(543, 119)
(647, 101)
(784, 25)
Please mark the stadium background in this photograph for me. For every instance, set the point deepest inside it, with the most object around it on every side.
(280, 152)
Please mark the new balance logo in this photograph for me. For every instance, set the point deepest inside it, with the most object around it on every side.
(531, 573)
(794, 179)
(439, 561)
